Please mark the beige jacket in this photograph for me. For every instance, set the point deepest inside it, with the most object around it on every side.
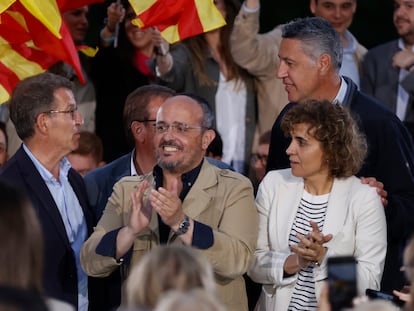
(258, 54)
(221, 199)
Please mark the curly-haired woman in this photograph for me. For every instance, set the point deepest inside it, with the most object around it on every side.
(317, 209)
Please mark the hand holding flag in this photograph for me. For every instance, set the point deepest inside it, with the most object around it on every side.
(178, 19)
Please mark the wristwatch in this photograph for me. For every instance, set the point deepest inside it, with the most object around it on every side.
(183, 227)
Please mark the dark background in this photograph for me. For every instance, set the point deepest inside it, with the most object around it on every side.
(371, 26)
(372, 22)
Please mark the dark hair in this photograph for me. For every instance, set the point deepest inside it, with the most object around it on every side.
(265, 137)
(317, 37)
(344, 146)
(136, 104)
(31, 97)
(216, 146)
(21, 241)
(90, 144)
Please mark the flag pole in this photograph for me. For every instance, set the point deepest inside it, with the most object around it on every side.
(116, 35)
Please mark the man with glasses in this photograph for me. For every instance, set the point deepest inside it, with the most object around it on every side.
(259, 159)
(44, 112)
(185, 200)
(139, 115)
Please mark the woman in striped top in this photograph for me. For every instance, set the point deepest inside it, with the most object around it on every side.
(317, 209)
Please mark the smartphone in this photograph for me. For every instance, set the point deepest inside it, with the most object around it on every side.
(376, 294)
(342, 281)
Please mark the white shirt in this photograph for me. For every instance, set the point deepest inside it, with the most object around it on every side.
(231, 120)
(349, 66)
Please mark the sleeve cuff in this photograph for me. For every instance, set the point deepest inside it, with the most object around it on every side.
(107, 247)
(203, 236)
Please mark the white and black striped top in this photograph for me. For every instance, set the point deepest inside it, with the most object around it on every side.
(311, 207)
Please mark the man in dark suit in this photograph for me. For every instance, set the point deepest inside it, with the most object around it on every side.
(310, 57)
(388, 69)
(44, 112)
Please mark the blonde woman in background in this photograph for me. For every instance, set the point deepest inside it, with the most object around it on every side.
(166, 268)
(197, 299)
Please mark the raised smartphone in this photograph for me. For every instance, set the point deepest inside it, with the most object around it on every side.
(342, 281)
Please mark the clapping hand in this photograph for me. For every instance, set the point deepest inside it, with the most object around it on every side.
(311, 247)
(140, 212)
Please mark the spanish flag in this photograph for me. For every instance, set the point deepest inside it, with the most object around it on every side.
(178, 19)
(33, 37)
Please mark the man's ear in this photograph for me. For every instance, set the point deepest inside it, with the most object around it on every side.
(325, 63)
(207, 138)
(136, 130)
(42, 122)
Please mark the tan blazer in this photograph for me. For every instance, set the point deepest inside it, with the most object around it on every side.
(221, 199)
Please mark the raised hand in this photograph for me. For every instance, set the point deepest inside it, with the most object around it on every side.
(115, 14)
(159, 42)
(140, 212)
(168, 205)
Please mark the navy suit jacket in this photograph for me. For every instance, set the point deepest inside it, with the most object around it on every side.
(381, 79)
(99, 182)
(59, 271)
(390, 160)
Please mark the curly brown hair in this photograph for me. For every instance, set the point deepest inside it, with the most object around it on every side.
(342, 142)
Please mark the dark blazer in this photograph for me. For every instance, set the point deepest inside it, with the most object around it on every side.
(390, 160)
(381, 80)
(99, 182)
(59, 272)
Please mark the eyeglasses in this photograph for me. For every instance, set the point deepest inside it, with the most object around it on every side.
(177, 127)
(72, 112)
(259, 157)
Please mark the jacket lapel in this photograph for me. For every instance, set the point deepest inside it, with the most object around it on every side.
(288, 196)
(198, 197)
(37, 188)
(338, 207)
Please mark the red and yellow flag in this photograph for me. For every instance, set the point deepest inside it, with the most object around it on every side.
(178, 19)
(33, 37)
